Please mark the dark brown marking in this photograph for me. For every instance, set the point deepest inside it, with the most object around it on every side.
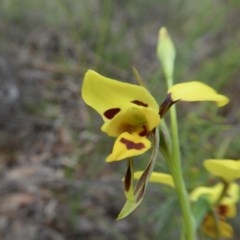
(110, 113)
(137, 102)
(132, 145)
(144, 132)
(127, 179)
(167, 103)
(141, 193)
(222, 210)
(142, 181)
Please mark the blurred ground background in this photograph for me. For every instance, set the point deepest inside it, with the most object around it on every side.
(54, 183)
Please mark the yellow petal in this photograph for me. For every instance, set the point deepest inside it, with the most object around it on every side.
(135, 119)
(231, 211)
(210, 193)
(213, 193)
(156, 177)
(226, 230)
(196, 91)
(128, 145)
(224, 168)
(110, 97)
(166, 52)
(209, 228)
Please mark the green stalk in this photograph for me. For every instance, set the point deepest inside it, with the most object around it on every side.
(166, 54)
(177, 174)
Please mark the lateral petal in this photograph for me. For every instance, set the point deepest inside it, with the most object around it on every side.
(196, 91)
(224, 168)
(157, 177)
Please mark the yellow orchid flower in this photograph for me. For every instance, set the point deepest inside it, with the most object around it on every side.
(130, 113)
(227, 169)
(157, 177)
(214, 229)
(224, 206)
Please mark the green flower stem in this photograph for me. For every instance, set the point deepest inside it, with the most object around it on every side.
(176, 170)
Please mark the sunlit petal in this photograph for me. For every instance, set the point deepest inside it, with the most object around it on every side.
(227, 169)
(156, 177)
(196, 91)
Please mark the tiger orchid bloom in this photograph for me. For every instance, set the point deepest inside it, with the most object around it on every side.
(130, 113)
(222, 202)
(221, 229)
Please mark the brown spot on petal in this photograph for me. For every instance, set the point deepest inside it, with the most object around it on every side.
(110, 113)
(144, 132)
(132, 145)
(222, 210)
(137, 102)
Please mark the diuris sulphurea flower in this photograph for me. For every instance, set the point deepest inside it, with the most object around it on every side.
(216, 228)
(132, 115)
(130, 112)
(222, 205)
